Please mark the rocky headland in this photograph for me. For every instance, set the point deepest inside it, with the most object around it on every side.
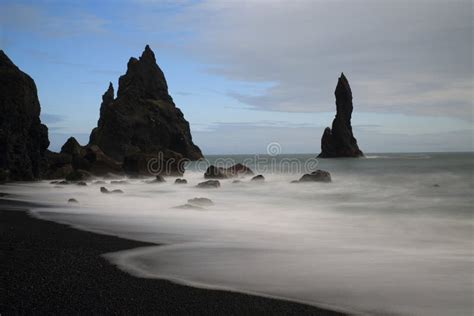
(140, 124)
(23, 139)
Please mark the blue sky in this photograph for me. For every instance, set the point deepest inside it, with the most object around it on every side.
(247, 73)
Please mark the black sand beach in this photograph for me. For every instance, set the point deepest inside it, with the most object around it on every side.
(50, 268)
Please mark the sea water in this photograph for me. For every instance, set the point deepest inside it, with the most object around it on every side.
(391, 234)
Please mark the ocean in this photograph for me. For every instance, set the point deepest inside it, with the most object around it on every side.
(391, 234)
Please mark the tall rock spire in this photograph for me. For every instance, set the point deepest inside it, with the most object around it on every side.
(339, 141)
(143, 118)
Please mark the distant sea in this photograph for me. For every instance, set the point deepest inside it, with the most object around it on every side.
(391, 234)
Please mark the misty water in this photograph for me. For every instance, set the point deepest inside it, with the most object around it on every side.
(392, 234)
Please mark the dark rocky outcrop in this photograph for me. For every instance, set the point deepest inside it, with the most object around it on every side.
(214, 172)
(167, 162)
(74, 157)
(72, 147)
(316, 176)
(23, 139)
(339, 141)
(143, 122)
(78, 175)
(209, 184)
(71, 200)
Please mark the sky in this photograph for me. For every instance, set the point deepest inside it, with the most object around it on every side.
(251, 72)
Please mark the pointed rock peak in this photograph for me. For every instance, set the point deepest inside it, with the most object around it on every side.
(343, 89)
(144, 79)
(148, 54)
(110, 89)
(71, 147)
(4, 60)
(109, 94)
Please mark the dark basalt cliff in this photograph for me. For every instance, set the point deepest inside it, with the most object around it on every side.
(339, 141)
(142, 121)
(23, 139)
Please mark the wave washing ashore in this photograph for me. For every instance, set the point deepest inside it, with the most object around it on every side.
(392, 234)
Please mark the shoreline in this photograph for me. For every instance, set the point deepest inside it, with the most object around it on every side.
(47, 267)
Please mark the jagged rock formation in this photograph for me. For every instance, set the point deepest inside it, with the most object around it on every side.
(339, 141)
(74, 159)
(213, 172)
(142, 120)
(23, 139)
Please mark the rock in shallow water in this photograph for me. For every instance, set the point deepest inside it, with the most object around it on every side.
(209, 184)
(258, 178)
(316, 176)
(107, 191)
(189, 207)
(214, 172)
(340, 141)
(119, 182)
(201, 201)
(180, 181)
(72, 201)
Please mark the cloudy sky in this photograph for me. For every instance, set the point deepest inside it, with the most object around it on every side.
(247, 73)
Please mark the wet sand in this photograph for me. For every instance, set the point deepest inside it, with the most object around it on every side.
(50, 268)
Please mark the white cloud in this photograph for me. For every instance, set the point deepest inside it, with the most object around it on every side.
(411, 57)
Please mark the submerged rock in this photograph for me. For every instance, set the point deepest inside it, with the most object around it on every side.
(105, 190)
(316, 176)
(159, 179)
(201, 201)
(209, 184)
(214, 172)
(23, 139)
(142, 122)
(189, 207)
(119, 182)
(72, 201)
(180, 181)
(339, 141)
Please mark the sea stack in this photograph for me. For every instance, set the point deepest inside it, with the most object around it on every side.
(23, 139)
(143, 122)
(339, 141)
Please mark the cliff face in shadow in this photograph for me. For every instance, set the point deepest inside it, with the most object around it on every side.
(142, 120)
(339, 141)
(23, 139)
